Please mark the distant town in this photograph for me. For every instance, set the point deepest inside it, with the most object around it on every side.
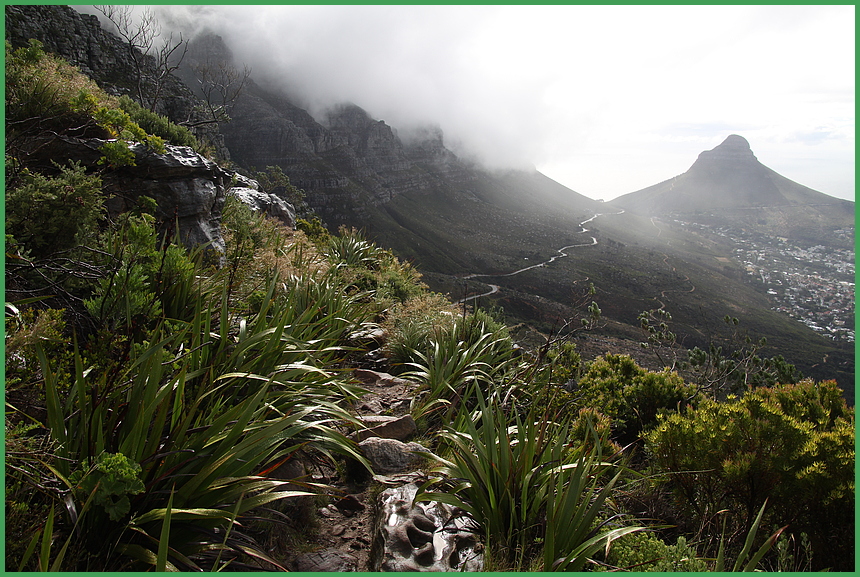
(814, 285)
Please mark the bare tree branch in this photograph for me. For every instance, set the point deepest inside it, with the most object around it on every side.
(220, 84)
(153, 65)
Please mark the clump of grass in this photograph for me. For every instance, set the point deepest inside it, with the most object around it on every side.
(531, 489)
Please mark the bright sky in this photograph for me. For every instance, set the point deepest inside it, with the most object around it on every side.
(605, 99)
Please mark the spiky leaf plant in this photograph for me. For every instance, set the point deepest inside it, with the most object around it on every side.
(531, 490)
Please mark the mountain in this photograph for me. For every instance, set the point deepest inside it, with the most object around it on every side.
(728, 185)
(411, 194)
(472, 231)
(454, 220)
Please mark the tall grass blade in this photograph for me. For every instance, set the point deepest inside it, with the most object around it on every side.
(164, 538)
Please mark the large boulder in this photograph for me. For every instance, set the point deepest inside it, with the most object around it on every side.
(266, 203)
(188, 188)
(386, 427)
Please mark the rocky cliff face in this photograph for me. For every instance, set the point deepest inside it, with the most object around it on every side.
(347, 162)
(80, 39)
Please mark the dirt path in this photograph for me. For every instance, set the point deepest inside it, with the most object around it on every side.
(342, 524)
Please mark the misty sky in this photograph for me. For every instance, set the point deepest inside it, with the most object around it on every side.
(606, 100)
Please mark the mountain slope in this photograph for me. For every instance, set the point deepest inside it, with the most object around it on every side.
(454, 220)
(728, 185)
(416, 197)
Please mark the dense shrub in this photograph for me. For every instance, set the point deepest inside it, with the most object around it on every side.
(157, 124)
(274, 181)
(145, 279)
(47, 96)
(790, 444)
(630, 395)
(50, 214)
(43, 92)
(645, 551)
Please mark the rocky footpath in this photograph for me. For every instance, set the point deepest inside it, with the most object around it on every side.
(371, 524)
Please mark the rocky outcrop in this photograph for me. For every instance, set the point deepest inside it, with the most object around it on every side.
(248, 191)
(78, 38)
(188, 189)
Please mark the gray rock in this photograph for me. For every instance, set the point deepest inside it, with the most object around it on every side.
(421, 536)
(368, 335)
(264, 202)
(400, 428)
(377, 379)
(325, 560)
(390, 455)
(188, 189)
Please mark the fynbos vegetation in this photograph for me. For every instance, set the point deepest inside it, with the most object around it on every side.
(153, 389)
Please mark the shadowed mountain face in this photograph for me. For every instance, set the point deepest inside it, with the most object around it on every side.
(412, 194)
(728, 185)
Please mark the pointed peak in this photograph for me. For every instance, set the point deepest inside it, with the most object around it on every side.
(734, 147)
(737, 142)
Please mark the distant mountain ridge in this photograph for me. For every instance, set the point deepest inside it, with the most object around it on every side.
(351, 164)
(728, 183)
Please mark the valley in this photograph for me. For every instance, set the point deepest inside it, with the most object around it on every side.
(693, 271)
(561, 254)
(702, 245)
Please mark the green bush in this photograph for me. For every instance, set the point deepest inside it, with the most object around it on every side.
(462, 359)
(791, 444)
(274, 181)
(43, 92)
(125, 297)
(49, 214)
(644, 551)
(46, 94)
(630, 395)
(156, 124)
(314, 230)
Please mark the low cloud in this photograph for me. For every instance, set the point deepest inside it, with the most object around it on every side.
(574, 90)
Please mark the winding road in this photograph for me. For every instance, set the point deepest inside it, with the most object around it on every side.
(561, 254)
(666, 262)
